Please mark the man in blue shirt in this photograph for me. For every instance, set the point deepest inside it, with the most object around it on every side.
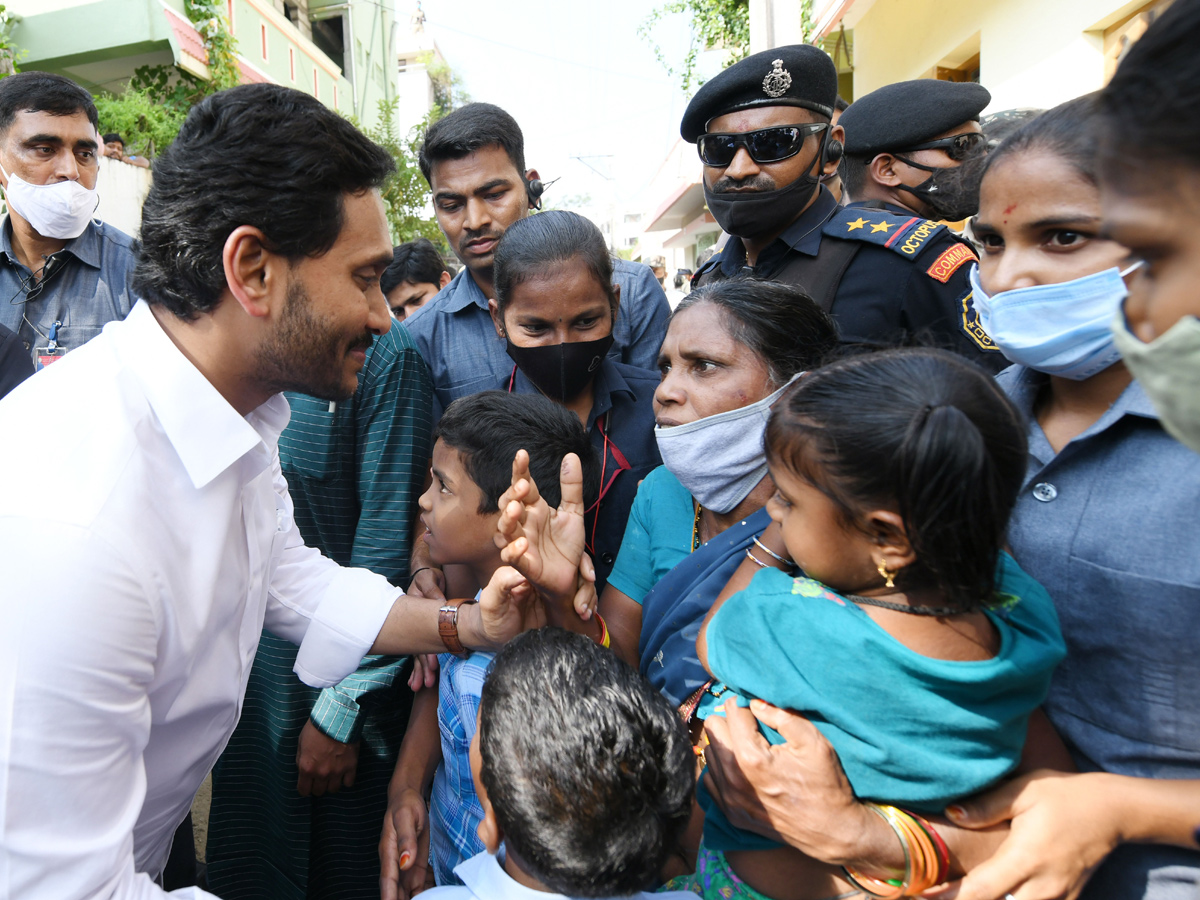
(63, 275)
(474, 161)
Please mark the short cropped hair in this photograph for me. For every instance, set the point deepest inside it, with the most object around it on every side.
(487, 429)
(43, 92)
(779, 322)
(417, 262)
(853, 170)
(114, 138)
(588, 768)
(470, 128)
(259, 154)
(538, 244)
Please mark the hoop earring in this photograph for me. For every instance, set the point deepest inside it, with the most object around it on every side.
(889, 578)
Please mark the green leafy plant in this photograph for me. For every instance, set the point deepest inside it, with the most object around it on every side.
(147, 125)
(714, 24)
(151, 110)
(9, 52)
(405, 192)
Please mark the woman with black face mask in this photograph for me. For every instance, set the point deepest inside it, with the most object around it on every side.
(555, 307)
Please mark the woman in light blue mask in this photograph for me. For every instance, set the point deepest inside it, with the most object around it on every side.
(1106, 522)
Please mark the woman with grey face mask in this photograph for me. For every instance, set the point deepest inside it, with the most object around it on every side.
(730, 349)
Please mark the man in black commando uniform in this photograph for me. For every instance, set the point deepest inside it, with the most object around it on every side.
(762, 128)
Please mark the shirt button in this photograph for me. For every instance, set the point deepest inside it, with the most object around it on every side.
(1045, 491)
(607, 558)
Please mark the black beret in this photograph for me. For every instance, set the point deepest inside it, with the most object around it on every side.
(798, 75)
(909, 112)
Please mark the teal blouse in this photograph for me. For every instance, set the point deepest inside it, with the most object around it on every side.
(658, 534)
(909, 730)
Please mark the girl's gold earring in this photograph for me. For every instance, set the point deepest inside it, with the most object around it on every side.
(889, 578)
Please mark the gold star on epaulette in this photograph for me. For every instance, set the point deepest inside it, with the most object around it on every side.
(882, 226)
(859, 224)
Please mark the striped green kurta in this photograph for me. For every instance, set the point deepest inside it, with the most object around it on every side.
(354, 475)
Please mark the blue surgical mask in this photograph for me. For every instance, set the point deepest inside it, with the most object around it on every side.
(1062, 329)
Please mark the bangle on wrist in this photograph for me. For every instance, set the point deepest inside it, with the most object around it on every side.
(448, 626)
(926, 857)
(771, 553)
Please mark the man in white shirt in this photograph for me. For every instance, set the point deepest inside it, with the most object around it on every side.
(148, 537)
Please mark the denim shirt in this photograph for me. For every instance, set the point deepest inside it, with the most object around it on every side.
(86, 286)
(455, 334)
(1108, 526)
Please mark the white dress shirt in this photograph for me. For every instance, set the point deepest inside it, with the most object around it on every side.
(485, 879)
(146, 538)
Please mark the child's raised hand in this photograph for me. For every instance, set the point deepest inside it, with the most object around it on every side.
(545, 545)
(509, 605)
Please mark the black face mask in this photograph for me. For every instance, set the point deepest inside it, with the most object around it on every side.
(952, 193)
(763, 212)
(561, 371)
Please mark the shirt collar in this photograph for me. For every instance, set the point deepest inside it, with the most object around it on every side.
(485, 878)
(208, 434)
(608, 382)
(884, 205)
(85, 248)
(462, 291)
(803, 236)
(1023, 385)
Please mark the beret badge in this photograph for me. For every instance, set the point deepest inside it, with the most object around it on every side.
(777, 81)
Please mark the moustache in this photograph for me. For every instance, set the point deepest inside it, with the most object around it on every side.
(469, 236)
(754, 183)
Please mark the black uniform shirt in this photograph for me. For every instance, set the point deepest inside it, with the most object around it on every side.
(906, 283)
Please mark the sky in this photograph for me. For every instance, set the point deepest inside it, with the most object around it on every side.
(579, 80)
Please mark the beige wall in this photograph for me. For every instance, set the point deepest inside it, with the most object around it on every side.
(1032, 52)
(122, 188)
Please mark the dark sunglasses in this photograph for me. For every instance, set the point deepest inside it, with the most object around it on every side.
(767, 145)
(958, 147)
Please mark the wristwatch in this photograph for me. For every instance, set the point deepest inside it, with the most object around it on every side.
(448, 627)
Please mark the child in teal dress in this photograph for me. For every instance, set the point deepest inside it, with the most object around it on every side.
(881, 603)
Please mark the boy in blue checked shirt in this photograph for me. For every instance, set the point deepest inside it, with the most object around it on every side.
(477, 439)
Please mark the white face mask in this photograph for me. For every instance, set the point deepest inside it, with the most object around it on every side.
(720, 458)
(1168, 369)
(60, 210)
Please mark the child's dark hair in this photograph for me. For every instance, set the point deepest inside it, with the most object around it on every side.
(417, 262)
(588, 768)
(924, 433)
(487, 429)
(1071, 130)
(537, 245)
(779, 322)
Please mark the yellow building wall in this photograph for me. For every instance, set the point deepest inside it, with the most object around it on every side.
(1033, 53)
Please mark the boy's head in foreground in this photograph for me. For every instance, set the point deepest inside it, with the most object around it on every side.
(477, 438)
(583, 769)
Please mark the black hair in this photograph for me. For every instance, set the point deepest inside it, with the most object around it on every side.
(417, 262)
(841, 104)
(262, 155)
(779, 322)
(487, 429)
(113, 138)
(537, 245)
(920, 431)
(588, 768)
(1069, 131)
(43, 92)
(853, 170)
(470, 128)
(1152, 105)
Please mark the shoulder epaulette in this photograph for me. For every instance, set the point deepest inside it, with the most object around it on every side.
(905, 235)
